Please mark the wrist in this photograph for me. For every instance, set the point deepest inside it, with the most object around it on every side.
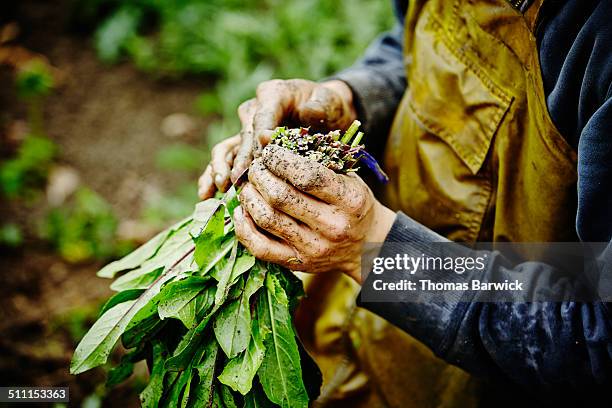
(382, 221)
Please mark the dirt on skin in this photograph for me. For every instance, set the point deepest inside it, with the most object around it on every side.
(106, 121)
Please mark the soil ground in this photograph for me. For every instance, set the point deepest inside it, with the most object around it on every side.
(106, 121)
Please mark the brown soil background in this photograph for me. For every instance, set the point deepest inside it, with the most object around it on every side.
(106, 121)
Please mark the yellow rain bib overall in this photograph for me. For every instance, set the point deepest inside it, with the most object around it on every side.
(473, 155)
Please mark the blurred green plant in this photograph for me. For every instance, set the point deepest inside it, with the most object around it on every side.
(175, 157)
(83, 229)
(11, 235)
(28, 169)
(34, 80)
(239, 43)
(234, 43)
(180, 157)
(76, 321)
(22, 174)
(171, 206)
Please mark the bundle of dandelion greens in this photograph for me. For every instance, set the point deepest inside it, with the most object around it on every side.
(213, 323)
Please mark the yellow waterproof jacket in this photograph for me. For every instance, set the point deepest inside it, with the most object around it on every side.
(473, 155)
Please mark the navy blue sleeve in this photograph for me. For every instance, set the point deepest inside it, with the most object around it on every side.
(539, 345)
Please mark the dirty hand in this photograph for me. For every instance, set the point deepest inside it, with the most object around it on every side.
(299, 214)
(324, 106)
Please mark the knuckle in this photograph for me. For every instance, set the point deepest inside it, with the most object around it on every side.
(203, 182)
(271, 84)
(312, 179)
(266, 218)
(255, 171)
(261, 117)
(279, 195)
(218, 151)
(246, 134)
(358, 202)
(321, 251)
(340, 230)
(257, 166)
(244, 107)
(294, 83)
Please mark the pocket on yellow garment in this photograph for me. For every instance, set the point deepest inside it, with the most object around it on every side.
(442, 135)
(452, 97)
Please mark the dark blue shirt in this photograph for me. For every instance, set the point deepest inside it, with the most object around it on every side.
(566, 344)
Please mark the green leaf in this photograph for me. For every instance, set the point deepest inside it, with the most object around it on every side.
(257, 398)
(280, 372)
(150, 396)
(232, 325)
(256, 279)
(181, 389)
(125, 368)
(172, 250)
(136, 281)
(235, 291)
(188, 346)
(205, 209)
(177, 301)
(120, 298)
(178, 387)
(204, 301)
(206, 372)
(140, 255)
(143, 325)
(225, 274)
(134, 259)
(227, 397)
(196, 309)
(239, 372)
(96, 345)
(291, 284)
(217, 399)
(217, 256)
(231, 200)
(120, 373)
(207, 243)
(187, 391)
(98, 342)
(243, 263)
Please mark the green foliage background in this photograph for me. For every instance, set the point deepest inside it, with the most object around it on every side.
(237, 43)
(230, 46)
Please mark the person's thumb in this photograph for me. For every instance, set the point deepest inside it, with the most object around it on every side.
(323, 110)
